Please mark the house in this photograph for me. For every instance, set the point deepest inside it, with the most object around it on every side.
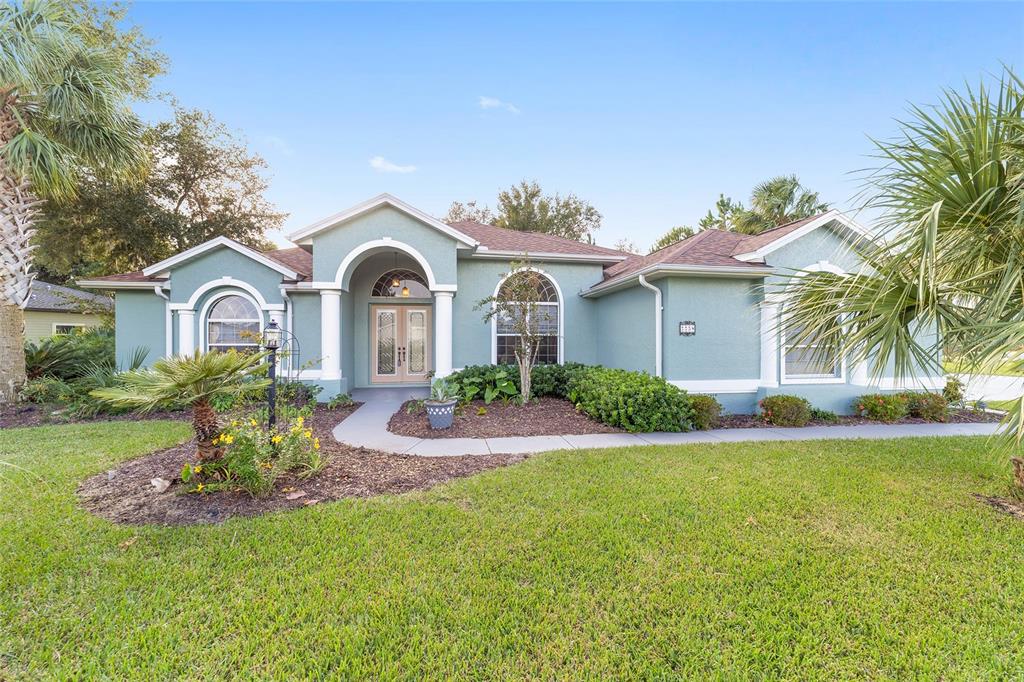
(383, 294)
(53, 309)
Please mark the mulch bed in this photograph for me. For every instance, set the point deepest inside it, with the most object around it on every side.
(32, 414)
(751, 421)
(124, 494)
(541, 417)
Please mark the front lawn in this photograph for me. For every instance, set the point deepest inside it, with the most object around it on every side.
(802, 560)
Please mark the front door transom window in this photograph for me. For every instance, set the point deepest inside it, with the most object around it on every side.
(400, 284)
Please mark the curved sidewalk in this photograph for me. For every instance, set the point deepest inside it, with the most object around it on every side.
(368, 427)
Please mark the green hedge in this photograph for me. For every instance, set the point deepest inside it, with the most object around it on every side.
(706, 411)
(634, 401)
(785, 410)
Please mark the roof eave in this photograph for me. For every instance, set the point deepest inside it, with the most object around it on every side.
(665, 269)
(506, 254)
(188, 254)
(859, 232)
(108, 284)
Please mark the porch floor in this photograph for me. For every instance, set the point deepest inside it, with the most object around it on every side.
(368, 427)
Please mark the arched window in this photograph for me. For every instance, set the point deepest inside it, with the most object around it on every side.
(547, 322)
(400, 284)
(233, 322)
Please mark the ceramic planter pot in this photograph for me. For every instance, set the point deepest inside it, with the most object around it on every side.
(441, 413)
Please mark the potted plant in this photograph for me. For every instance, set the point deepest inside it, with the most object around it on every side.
(444, 395)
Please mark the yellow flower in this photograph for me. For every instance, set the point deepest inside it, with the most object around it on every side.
(234, 422)
(253, 422)
(316, 443)
(227, 438)
(277, 439)
(197, 469)
(199, 488)
(295, 429)
(300, 420)
(308, 434)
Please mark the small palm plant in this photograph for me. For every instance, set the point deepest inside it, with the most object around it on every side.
(192, 381)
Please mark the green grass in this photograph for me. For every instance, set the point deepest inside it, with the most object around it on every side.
(777, 560)
(1007, 369)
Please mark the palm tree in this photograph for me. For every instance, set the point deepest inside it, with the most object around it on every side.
(778, 201)
(62, 114)
(192, 381)
(950, 191)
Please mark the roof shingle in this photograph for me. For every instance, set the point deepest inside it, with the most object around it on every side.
(53, 297)
(501, 239)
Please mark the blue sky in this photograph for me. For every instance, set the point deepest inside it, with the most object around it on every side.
(648, 111)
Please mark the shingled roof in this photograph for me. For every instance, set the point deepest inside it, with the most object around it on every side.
(55, 298)
(496, 238)
(707, 248)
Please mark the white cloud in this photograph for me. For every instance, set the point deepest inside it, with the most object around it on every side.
(495, 103)
(382, 165)
(278, 144)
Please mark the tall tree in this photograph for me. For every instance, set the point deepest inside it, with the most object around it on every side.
(203, 183)
(526, 208)
(725, 216)
(63, 114)
(778, 201)
(626, 245)
(950, 192)
(676, 234)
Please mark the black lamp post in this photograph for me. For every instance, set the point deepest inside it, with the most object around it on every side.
(272, 341)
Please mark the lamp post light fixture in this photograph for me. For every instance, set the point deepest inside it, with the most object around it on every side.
(271, 342)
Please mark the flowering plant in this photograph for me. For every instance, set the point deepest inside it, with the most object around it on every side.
(255, 458)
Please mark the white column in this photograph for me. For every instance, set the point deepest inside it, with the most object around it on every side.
(186, 332)
(330, 334)
(769, 344)
(443, 333)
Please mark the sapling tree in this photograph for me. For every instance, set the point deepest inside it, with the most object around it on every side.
(518, 309)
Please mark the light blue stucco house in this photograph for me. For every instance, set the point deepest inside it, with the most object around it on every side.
(383, 294)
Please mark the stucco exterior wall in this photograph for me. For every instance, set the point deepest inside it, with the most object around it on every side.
(331, 247)
(189, 276)
(140, 324)
(625, 322)
(39, 324)
(478, 278)
(727, 344)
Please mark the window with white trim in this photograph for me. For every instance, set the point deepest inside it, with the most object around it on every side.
(545, 320)
(233, 322)
(63, 329)
(808, 359)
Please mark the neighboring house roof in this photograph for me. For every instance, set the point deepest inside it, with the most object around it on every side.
(304, 236)
(498, 241)
(44, 296)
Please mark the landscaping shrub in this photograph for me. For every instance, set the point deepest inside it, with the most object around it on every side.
(553, 380)
(824, 416)
(254, 458)
(340, 400)
(883, 407)
(487, 382)
(930, 406)
(47, 389)
(634, 401)
(70, 356)
(953, 391)
(785, 410)
(706, 411)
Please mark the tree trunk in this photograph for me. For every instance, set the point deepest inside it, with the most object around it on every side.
(12, 352)
(18, 208)
(207, 426)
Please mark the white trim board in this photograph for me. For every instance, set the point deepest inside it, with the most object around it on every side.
(668, 269)
(717, 385)
(302, 236)
(501, 254)
(858, 230)
(188, 254)
(105, 284)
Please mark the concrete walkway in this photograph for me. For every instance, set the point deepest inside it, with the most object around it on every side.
(368, 427)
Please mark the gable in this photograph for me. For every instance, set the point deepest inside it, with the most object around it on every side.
(217, 265)
(758, 247)
(331, 246)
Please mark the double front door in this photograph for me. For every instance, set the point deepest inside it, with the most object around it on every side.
(399, 343)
